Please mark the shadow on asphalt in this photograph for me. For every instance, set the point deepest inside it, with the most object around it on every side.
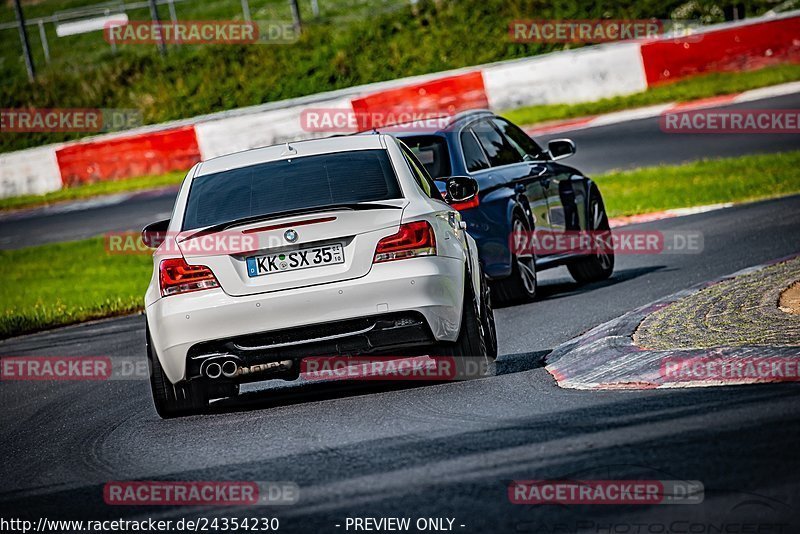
(555, 290)
(482, 486)
(507, 364)
(304, 392)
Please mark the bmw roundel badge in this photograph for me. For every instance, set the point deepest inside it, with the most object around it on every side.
(290, 236)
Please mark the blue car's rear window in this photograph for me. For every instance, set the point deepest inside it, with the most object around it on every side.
(304, 182)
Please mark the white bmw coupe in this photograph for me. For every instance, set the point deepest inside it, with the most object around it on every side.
(332, 247)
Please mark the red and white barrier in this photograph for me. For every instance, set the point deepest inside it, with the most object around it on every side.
(581, 75)
(261, 128)
(123, 157)
(725, 48)
(33, 171)
(446, 94)
(570, 76)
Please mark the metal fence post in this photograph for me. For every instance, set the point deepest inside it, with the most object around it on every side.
(172, 15)
(154, 16)
(43, 38)
(296, 16)
(23, 37)
(246, 10)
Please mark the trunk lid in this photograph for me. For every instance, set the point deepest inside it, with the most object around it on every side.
(328, 245)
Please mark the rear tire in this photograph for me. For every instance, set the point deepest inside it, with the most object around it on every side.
(471, 340)
(174, 400)
(487, 320)
(474, 353)
(600, 264)
(522, 284)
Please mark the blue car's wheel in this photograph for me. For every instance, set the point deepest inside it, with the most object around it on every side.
(600, 264)
(521, 285)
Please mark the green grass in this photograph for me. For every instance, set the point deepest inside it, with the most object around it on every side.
(700, 183)
(93, 190)
(704, 86)
(65, 283)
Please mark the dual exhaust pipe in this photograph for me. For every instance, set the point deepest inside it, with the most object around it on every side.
(214, 369)
(229, 367)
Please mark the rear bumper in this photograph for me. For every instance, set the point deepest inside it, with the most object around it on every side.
(430, 286)
(387, 334)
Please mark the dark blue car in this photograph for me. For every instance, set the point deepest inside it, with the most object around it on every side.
(522, 187)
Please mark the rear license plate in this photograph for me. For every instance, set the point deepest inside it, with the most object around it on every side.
(294, 260)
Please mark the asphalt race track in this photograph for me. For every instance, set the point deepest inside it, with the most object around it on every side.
(443, 450)
(620, 146)
(641, 143)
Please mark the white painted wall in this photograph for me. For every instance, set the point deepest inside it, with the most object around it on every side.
(264, 128)
(566, 77)
(29, 172)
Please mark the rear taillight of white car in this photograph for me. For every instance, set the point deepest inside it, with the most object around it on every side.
(412, 240)
(176, 276)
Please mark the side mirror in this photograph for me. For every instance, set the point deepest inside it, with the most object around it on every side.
(154, 233)
(461, 188)
(561, 148)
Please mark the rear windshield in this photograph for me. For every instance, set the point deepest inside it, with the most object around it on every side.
(431, 151)
(276, 186)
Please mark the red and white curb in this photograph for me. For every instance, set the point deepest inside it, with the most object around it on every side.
(581, 123)
(606, 357)
(617, 222)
